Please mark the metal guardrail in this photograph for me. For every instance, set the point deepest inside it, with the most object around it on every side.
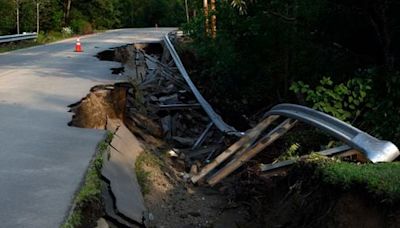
(374, 149)
(18, 37)
(215, 118)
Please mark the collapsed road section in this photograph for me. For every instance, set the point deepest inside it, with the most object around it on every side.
(160, 110)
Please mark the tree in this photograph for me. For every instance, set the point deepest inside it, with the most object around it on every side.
(7, 19)
(67, 10)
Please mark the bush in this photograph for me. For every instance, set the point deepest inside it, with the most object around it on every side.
(67, 32)
(344, 101)
(49, 37)
(81, 26)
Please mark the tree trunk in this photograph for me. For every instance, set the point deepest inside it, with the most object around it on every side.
(187, 11)
(206, 24)
(17, 4)
(213, 19)
(67, 9)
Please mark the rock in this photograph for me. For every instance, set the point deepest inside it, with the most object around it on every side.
(102, 223)
(151, 217)
(194, 170)
(172, 154)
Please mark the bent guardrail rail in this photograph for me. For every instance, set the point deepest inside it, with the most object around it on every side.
(250, 144)
(18, 37)
(374, 149)
(215, 118)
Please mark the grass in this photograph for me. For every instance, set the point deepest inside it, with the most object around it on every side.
(146, 159)
(90, 192)
(382, 180)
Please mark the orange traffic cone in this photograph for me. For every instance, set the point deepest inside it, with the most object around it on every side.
(78, 47)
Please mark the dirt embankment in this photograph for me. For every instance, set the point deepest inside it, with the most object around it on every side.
(300, 198)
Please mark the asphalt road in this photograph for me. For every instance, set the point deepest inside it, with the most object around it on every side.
(42, 160)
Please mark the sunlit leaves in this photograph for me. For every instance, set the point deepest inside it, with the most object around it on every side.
(344, 101)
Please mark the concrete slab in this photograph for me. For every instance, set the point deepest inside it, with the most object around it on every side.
(119, 170)
(110, 210)
(42, 160)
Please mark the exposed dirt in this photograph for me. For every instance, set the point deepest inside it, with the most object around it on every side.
(171, 201)
(102, 103)
(298, 199)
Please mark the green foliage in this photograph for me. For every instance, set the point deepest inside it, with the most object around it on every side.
(344, 101)
(263, 46)
(255, 55)
(380, 179)
(7, 19)
(384, 119)
(291, 152)
(152, 12)
(86, 16)
(50, 36)
(90, 192)
(81, 26)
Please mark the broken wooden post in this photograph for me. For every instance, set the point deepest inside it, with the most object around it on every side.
(240, 159)
(245, 142)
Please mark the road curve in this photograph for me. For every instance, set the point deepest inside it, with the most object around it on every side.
(42, 160)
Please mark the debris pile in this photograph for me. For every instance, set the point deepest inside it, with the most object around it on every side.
(171, 103)
(196, 130)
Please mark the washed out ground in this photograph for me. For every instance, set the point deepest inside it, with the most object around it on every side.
(295, 198)
(170, 200)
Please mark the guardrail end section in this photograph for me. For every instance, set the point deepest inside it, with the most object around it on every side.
(376, 150)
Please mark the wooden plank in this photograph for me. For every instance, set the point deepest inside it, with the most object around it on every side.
(243, 143)
(240, 159)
